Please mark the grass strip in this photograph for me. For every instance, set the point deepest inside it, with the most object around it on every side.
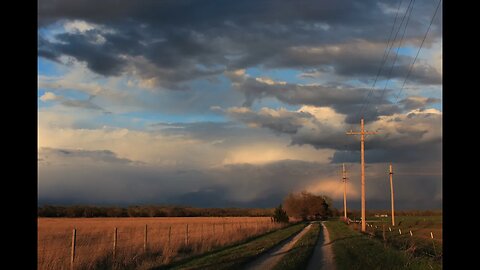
(299, 255)
(237, 256)
(354, 250)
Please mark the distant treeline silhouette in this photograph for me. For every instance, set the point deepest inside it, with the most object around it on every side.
(149, 211)
(356, 213)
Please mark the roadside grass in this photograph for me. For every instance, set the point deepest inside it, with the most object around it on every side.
(418, 244)
(355, 250)
(301, 252)
(235, 257)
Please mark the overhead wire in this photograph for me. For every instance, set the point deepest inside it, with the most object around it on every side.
(418, 52)
(387, 50)
(407, 12)
(396, 54)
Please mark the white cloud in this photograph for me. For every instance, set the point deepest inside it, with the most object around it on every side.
(48, 96)
(81, 26)
(269, 81)
(334, 188)
(78, 26)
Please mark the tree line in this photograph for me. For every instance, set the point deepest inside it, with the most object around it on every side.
(357, 213)
(88, 211)
(303, 205)
(307, 206)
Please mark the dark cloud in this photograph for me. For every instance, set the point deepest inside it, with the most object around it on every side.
(86, 104)
(241, 185)
(177, 41)
(282, 121)
(344, 99)
(422, 152)
(99, 57)
(413, 137)
(355, 59)
(86, 181)
(48, 154)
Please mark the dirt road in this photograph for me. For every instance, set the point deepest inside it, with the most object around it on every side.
(322, 257)
(271, 258)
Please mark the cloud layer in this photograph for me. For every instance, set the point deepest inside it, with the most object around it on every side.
(236, 103)
(168, 43)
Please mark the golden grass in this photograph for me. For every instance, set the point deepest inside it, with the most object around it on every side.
(94, 238)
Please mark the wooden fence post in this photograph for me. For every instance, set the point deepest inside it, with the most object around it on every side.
(145, 239)
(114, 242)
(74, 239)
(186, 235)
(169, 235)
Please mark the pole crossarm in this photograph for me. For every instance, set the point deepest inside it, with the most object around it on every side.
(362, 133)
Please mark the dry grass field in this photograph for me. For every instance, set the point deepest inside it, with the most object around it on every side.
(167, 239)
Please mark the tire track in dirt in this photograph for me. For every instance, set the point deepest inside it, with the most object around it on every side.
(272, 257)
(322, 257)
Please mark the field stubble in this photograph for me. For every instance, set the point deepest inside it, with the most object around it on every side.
(167, 239)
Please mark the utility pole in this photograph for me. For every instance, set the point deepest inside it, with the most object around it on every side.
(344, 193)
(391, 192)
(362, 134)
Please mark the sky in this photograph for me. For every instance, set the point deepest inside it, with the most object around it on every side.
(237, 103)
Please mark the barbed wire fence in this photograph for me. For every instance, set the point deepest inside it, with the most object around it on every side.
(83, 249)
(412, 239)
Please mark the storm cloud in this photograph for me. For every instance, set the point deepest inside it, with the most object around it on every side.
(237, 103)
(173, 42)
(138, 183)
(400, 138)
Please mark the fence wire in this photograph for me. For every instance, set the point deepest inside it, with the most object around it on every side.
(165, 240)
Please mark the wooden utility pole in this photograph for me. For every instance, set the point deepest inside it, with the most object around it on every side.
(145, 239)
(344, 177)
(391, 191)
(362, 134)
(74, 241)
(114, 242)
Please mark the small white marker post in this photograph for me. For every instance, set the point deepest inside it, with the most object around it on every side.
(411, 234)
(433, 242)
(399, 231)
(390, 228)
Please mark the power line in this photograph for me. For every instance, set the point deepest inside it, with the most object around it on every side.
(398, 49)
(409, 8)
(388, 53)
(418, 52)
(384, 57)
